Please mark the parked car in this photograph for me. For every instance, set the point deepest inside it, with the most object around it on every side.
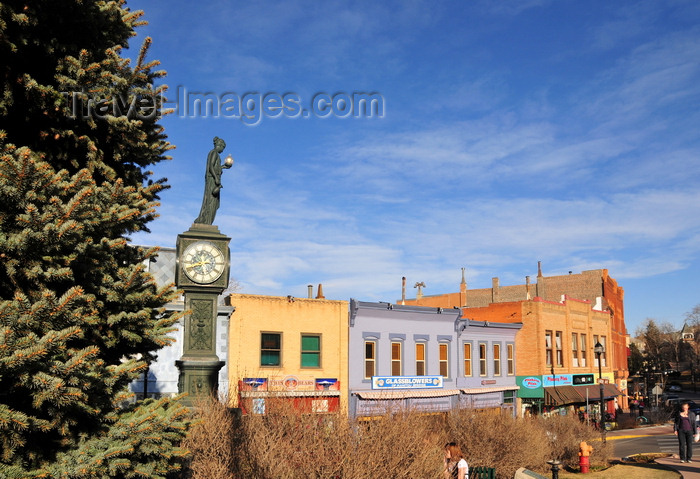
(674, 388)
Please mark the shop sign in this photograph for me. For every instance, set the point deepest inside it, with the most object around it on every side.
(406, 382)
(557, 380)
(327, 384)
(254, 384)
(530, 386)
(290, 383)
(531, 382)
(583, 379)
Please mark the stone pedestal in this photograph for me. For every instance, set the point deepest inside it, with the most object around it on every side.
(199, 378)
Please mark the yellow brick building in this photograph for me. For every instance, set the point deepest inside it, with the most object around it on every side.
(291, 348)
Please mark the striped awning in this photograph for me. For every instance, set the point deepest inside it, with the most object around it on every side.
(560, 395)
(406, 393)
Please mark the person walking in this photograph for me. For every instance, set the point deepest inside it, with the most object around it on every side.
(685, 428)
(456, 466)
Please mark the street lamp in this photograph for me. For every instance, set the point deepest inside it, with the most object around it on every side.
(599, 349)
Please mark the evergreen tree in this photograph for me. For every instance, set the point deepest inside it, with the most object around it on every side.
(78, 312)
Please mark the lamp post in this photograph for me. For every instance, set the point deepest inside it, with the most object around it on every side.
(598, 349)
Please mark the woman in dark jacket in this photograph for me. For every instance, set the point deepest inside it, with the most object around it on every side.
(685, 428)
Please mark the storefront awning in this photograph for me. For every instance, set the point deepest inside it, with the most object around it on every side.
(406, 393)
(609, 391)
(494, 389)
(561, 395)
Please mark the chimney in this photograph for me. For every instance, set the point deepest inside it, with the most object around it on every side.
(311, 291)
(463, 291)
(528, 296)
(420, 285)
(539, 287)
(494, 290)
(403, 290)
(320, 292)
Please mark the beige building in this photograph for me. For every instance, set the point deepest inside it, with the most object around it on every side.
(291, 348)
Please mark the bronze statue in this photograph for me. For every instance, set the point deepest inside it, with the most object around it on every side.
(212, 182)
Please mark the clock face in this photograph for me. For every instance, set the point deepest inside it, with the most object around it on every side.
(203, 262)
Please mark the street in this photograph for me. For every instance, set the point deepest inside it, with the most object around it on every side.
(642, 440)
(650, 439)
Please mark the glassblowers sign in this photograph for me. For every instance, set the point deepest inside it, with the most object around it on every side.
(406, 382)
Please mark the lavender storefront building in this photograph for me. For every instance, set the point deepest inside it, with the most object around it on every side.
(427, 359)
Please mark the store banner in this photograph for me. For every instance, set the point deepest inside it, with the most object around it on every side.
(530, 386)
(550, 380)
(290, 383)
(406, 382)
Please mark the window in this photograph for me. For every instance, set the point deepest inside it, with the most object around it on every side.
(370, 359)
(482, 359)
(270, 349)
(605, 351)
(420, 359)
(508, 397)
(574, 349)
(510, 352)
(396, 359)
(310, 351)
(496, 359)
(583, 350)
(320, 406)
(560, 353)
(468, 359)
(444, 369)
(548, 347)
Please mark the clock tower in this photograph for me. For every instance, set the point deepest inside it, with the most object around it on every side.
(202, 273)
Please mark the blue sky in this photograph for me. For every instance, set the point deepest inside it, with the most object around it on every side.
(513, 132)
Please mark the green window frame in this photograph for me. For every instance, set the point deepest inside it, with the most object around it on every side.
(270, 349)
(310, 351)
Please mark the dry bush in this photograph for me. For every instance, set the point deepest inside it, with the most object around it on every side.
(401, 444)
(660, 416)
(286, 443)
(565, 434)
(209, 441)
(500, 441)
(626, 421)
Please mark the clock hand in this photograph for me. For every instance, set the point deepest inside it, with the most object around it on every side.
(200, 263)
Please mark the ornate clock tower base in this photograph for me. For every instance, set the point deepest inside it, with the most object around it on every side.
(202, 272)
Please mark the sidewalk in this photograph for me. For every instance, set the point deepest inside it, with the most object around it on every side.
(689, 471)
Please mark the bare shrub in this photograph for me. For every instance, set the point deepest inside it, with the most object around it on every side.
(286, 443)
(626, 421)
(660, 416)
(500, 441)
(209, 441)
(565, 434)
(401, 444)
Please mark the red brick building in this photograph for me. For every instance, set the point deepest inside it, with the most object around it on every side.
(563, 317)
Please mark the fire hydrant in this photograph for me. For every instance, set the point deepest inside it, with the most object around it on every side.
(584, 456)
